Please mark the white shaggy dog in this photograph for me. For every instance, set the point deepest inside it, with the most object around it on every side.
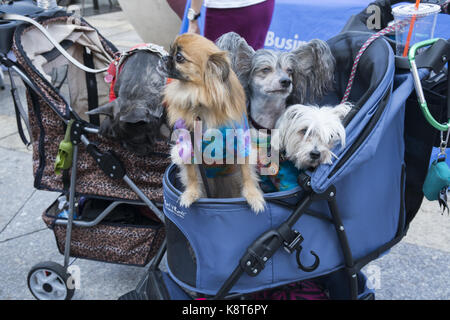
(308, 133)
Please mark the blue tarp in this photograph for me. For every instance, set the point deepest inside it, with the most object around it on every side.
(303, 20)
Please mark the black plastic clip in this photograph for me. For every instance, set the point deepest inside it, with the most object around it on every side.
(304, 181)
(294, 244)
(76, 130)
(108, 162)
(254, 260)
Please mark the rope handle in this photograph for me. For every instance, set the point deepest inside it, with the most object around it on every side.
(372, 38)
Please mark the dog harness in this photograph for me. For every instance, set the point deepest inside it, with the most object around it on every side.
(215, 154)
(286, 179)
(116, 65)
(282, 177)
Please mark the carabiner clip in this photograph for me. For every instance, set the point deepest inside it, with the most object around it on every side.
(443, 144)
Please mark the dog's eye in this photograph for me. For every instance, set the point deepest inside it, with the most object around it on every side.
(266, 70)
(179, 58)
(303, 131)
(289, 71)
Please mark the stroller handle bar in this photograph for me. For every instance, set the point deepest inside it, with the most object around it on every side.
(11, 16)
(418, 85)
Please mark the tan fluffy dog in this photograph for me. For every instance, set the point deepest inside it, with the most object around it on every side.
(205, 88)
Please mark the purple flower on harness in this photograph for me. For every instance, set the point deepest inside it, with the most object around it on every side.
(214, 147)
(184, 144)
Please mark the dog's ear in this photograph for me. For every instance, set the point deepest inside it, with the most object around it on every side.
(282, 125)
(342, 110)
(241, 54)
(217, 67)
(314, 71)
(110, 109)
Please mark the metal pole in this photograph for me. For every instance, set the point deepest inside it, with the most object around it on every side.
(348, 258)
(143, 197)
(73, 177)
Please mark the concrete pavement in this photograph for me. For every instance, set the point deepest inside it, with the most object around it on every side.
(417, 268)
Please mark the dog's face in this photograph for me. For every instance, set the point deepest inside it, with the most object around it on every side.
(192, 58)
(135, 117)
(302, 75)
(205, 86)
(271, 74)
(309, 133)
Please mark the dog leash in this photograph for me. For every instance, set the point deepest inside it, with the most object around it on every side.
(372, 38)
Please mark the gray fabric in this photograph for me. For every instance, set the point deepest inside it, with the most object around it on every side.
(35, 44)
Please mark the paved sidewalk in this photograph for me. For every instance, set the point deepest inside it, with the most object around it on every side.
(417, 268)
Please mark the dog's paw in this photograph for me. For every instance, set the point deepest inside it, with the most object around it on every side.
(255, 199)
(174, 155)
(189, 197)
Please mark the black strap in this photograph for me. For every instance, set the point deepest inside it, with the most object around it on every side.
(255, 124)
(91, 84)
(66, 181)
(55, 53)
(448, 92)
(202, 170)
(20, 112)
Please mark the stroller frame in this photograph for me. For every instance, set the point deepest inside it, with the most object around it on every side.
(107, 162)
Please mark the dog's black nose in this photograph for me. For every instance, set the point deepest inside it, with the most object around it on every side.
(167, 60)
(285, 82)
(314, 154)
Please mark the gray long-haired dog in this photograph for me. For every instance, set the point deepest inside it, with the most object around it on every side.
(136, 116)
(274, 80)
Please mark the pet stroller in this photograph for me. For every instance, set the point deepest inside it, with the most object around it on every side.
(342, 216)
(345, 214)
(111, 198)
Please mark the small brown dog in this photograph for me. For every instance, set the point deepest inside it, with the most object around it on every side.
(205, 88)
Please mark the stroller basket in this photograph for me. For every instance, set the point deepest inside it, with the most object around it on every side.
(130, 234)
(343, 220)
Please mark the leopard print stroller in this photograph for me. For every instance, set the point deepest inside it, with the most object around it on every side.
(109, 209)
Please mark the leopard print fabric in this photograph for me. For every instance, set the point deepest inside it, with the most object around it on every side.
(47, 131)
(108, 242)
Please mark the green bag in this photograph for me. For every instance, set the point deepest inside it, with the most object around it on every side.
(65, 152)
(438, 178)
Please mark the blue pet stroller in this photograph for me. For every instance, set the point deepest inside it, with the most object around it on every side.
(342, 216)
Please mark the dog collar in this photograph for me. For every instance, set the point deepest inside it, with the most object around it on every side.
(255, 124)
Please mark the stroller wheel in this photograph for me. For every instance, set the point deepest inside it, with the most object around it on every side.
(48, 281)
